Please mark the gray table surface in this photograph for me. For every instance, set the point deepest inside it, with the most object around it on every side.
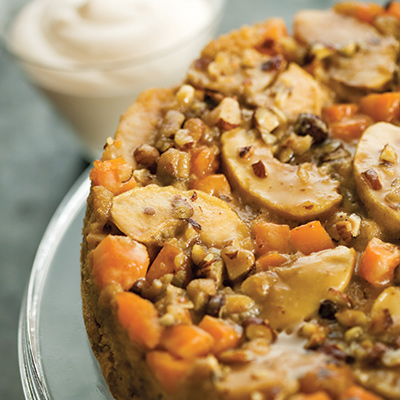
(39, 161)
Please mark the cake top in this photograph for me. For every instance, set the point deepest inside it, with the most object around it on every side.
(247, 221)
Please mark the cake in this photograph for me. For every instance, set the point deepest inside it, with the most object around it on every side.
(241, 239)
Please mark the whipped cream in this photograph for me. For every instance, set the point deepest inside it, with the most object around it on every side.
(65, 32)
(93, 57)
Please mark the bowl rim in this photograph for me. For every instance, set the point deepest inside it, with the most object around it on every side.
(218, 8)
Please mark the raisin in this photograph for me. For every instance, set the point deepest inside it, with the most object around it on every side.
(310, 124)
(327, 310)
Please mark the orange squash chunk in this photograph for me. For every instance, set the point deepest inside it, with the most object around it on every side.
(271, 259)
(187, 341)
(168, 370)
(358, 393)
(204, 162)
(272, 237)
(350, 128)
(311, 237)
(337, 112)
(382, 107)
(379, 261)
(365, 12)
(115, 175)
(164, 263)
(119, 259)
(393, 9)
(314, 396)
(216, 185)
(225, 335)
(140, 318)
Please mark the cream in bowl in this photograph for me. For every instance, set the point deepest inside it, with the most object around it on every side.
(93, 57)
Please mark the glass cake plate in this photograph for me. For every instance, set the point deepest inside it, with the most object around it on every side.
(56, 361)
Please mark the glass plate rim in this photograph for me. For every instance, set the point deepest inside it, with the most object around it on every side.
(30, 366)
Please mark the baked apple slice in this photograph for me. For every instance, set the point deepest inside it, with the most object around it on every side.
(300, 193)
(300, 288)
(152, 213)
(377, 172)
(358, 56)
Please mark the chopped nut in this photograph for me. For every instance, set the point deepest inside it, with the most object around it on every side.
(343, 229)
(171, 122)
(181, 208)
(183, 139)
(260, 329)
(299, 144)
(246, 152)
(204, 268)
(173, 164)
(184, 96)
(234, 356)
(350, 318)
(286, 155)
(391, 358)
(200, 291)
(94, 239)
(259, 169)
(181, 277)
(167, 320)
(198, 254)
(146, 155)
(372, 177)
(238, 261)
(143, 176)
(388, 155)
(164, 143)
(353, 333)
(250, 58)
(239, 306)
(227, 115)
(315, 334)
(196, 128)
(266, 121)
(349, 50)
(355, 221)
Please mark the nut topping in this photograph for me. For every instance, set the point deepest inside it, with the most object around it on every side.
(388, 155)
(259, 169)
(372, 177)
(246, 151)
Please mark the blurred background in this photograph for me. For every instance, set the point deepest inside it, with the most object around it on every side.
(40, 160)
